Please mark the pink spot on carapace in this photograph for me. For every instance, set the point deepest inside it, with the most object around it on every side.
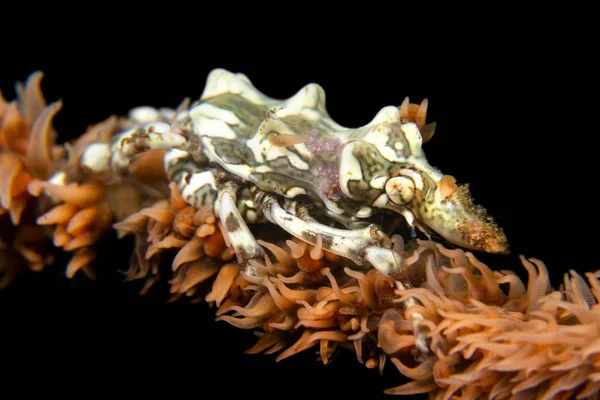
(329, 180)
(324, 145)
(326, 168)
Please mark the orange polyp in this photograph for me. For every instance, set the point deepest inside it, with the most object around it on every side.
(170, 241)
(404, 108)
(30, 255)
(295, 295)
(192, 251)
(286, 139)
(81, 196)
(228, 253)
(80, 259)
(296, 249)
(151, 251)
(332, 257)
(308, 264)
(11, 166)
(60, 214)
(14, 134)
(203, 215)
(296, 347)
(198, 272)
(34, 188)
(163, 215)
(223, 282)
(19, 185)
(264, 306)
(447, 186)
(3, 105)
(428, 131)
(13, 186)
(412, 112)
(184, 225)
(17, 208)
(317, 251)
(149, 167)
(281, 301)
(281, 255)
(82, 220)
(156, 231)
(135, 223)
(339, 293)
(421, 113)
(61, 237)
(417, 113)
(214, 244)
(205, 230)
(85, 239)
(177, 202)
(33, 98)
(38, 158)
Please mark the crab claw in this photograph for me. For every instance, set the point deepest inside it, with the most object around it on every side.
(453, 215)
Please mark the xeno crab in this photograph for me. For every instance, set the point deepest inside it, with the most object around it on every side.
(258, 159)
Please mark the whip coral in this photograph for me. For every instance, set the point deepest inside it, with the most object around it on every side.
(455, 327)
(304, 297)
(27, 152)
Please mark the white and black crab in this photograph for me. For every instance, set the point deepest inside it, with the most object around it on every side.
(258, 159)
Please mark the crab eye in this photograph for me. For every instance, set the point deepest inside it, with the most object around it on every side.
(400, 189)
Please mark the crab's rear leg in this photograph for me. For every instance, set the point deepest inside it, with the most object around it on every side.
(199, 187)
(363, 245)
(243, 242)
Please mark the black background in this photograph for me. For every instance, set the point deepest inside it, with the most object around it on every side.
(514, 121)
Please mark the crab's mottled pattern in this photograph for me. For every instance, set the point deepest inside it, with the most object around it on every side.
(259, 159)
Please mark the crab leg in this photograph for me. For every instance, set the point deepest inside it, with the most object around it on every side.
(240, 237)
(382, 258)
(197, 186)
(358, 245)
(154, 135)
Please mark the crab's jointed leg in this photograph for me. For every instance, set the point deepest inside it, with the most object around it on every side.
(243, 242)
(155, 135)
(199, 188)
(359, 245)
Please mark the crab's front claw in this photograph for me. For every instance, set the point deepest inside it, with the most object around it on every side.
(453, 215)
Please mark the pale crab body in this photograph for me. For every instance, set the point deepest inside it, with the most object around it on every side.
(292, 147)
(258, 159)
